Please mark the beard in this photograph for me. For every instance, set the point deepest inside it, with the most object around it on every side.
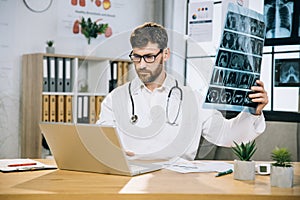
(148, 76)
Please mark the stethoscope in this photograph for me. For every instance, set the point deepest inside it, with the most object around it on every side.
(134, 117)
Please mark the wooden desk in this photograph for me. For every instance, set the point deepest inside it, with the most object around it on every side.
(163, 184)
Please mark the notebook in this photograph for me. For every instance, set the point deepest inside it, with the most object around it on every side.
(91, 148)
(22, 164)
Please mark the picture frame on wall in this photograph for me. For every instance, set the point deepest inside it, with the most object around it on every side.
(282, 22)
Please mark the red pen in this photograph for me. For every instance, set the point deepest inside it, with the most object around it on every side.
(21, 164)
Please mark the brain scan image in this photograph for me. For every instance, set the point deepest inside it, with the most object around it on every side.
(231, 79)
(289, 74)
(244, 81)
(236, 61)
(228, 40)
(248, 63)
(238, 97)
(218, 77)
(231, 22)
(226, 96)
(223, 59)
(213, 95)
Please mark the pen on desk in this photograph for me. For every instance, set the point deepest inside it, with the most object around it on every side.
(224, 173)
(21, 164)
(187, 167)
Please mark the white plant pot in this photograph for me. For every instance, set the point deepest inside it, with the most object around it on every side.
(282, 176)
(50, 50)
(244, 170)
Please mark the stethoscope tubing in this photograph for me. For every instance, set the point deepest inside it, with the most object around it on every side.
(134, 117)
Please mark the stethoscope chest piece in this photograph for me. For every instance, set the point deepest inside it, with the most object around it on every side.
(133, 119)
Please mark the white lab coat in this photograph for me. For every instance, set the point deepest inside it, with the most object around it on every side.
(153, 138)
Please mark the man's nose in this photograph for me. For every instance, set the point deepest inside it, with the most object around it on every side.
(142, 64)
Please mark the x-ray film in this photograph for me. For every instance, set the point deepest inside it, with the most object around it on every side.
(279, 18)
(238, 61)
(287, 72)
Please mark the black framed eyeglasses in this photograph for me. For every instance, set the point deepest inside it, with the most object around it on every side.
(147, 58)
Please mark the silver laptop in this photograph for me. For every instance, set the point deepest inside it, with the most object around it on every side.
(90, 148)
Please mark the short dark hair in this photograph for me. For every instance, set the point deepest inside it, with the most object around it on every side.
(149, 32)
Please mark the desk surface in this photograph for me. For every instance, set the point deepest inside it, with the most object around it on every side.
(163, 184)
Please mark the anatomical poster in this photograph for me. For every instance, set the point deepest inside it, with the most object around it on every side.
(238, 61)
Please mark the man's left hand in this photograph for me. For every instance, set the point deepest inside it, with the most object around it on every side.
(259, 96)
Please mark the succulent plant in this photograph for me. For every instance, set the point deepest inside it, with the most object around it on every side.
(50, 43)
(282, 157)
(244, 151)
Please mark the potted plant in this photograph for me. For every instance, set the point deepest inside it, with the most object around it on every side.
(282, 171)
(50, 47)
(244, 169)
(91, 29)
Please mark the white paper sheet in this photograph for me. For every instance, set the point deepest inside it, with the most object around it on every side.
(184, 166)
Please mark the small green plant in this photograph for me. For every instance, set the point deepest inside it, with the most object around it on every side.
(282, 157)
(50, 43)
(244, 151)
(91, 29)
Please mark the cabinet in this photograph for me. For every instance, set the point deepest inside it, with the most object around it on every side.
(64, 88)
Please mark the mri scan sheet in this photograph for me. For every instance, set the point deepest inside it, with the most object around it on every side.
(238, 61)
(287, 72)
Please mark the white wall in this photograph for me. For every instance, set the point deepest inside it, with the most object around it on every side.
(22, 32)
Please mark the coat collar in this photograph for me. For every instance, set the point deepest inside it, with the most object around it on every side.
(137, 85)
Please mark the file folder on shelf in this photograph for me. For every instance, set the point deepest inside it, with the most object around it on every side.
(79, 109)
(67, 75)
(125, 72)
(68, 109)
(92, 110)
(59, 75)
(52, 108)
(45, 75)
(52, 80)
(45, 108)
(98, 102)
(85, 111)
(120, 73)
(114, 76)
(60, 108)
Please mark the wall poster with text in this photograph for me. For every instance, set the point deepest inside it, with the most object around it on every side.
(238, 61)
(200, 20)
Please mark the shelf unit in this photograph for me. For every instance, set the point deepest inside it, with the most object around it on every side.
(89, 78)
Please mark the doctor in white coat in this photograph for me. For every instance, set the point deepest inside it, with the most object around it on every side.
(157, 118)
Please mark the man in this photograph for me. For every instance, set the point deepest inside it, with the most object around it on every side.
(158, 119)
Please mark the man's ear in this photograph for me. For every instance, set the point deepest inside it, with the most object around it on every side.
(166, 54)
